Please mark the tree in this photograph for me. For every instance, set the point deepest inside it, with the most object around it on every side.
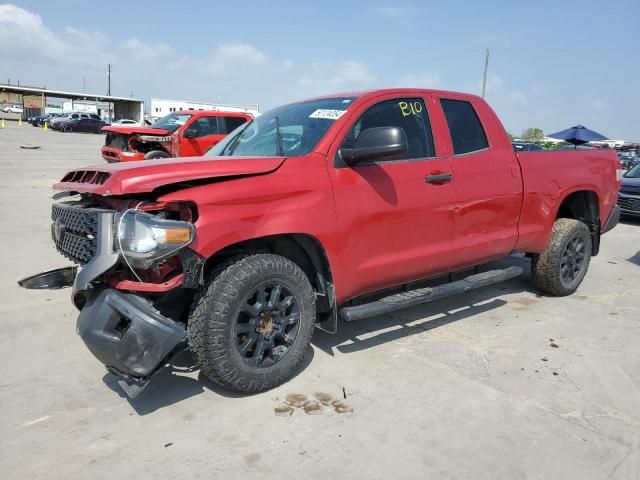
(533, 135)
(512, 137)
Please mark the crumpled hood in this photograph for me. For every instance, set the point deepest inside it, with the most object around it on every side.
(128, 129)
(145, 176)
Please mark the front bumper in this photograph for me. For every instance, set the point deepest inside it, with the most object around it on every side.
(128, 335)
(112, 155)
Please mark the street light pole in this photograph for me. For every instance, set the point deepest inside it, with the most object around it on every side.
(84, 84)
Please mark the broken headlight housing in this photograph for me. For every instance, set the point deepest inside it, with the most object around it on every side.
(144, 238)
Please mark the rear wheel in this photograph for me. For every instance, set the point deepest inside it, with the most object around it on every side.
(252, 324)
(561, 267)
(156, 154)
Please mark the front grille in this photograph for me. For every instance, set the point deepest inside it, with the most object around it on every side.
(629, 203)
(75, 231)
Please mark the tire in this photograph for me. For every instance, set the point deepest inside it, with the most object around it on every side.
(156, 154)
(561, 267)
(67, 129)
(229, 325)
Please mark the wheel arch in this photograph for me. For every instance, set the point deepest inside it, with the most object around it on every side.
(303, 249)
(583, 205)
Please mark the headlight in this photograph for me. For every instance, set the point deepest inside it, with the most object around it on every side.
(143, 237)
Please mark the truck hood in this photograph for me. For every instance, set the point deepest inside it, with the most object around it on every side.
(145, 176)
(129, 129)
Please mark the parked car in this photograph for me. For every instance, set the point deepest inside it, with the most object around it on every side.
(628, 160)
(320, 209)
(526, 147)
(39, 120)
(180, 134)
(125, 122)
(629, 195)
(13, 109)
(69, 123)
(82, 123)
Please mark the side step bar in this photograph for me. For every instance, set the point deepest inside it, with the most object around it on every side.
(428, 294)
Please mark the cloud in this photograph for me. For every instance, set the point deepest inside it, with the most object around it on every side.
(327, 77)
(403, 14)
(236, 72)
(419, 80)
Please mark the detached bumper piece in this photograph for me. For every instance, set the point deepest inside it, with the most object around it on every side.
(130, 337)
(52, 279)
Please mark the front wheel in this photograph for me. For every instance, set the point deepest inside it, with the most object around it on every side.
(252, 324)
(67, 129)
(561, 267)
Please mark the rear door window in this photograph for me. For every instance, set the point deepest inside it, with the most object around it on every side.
(206, 126)
(231, 123)
(467, 134)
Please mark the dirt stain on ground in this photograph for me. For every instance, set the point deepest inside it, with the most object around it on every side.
(296, 399)
(252, 458)
(321, 403)
(521, 303)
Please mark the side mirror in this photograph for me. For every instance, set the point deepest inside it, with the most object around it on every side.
(190, 133)
(377, 143)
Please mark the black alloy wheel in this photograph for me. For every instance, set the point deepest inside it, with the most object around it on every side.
(267, 325)
(572, 261)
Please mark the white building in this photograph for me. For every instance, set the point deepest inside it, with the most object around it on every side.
(161, 107)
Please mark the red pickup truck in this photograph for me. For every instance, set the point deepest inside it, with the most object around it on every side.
(323, 209)
(187, 133)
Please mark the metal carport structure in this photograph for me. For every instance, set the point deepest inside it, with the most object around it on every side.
(119, 107)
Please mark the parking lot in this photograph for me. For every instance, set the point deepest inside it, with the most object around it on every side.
(502, 383)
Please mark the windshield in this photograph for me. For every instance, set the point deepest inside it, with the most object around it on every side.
(291, 130)
(172, 122)
(633, 172)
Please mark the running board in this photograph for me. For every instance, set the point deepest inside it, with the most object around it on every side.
(428, 294)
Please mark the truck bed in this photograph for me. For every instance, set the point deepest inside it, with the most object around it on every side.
(549, 176)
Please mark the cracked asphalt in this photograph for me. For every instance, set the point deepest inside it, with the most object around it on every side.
(502, 383)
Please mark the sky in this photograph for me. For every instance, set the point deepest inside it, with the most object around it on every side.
(552, 63)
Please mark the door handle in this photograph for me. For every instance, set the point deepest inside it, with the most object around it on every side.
(439, 178)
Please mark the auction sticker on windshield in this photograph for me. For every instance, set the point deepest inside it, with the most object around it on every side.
(328, 114)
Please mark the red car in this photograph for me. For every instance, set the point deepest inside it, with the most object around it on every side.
(323, 209)
(185, 133)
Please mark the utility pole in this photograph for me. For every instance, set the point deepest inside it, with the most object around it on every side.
(84, 84)
(484, 77)
(109, 89)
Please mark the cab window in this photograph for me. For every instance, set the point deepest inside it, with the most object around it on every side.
(410, 114)
(467, 134)
(206, 126)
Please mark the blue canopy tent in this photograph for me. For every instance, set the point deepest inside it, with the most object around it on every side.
(578, 135)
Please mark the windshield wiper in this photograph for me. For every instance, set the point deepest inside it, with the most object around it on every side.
(279, 149)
